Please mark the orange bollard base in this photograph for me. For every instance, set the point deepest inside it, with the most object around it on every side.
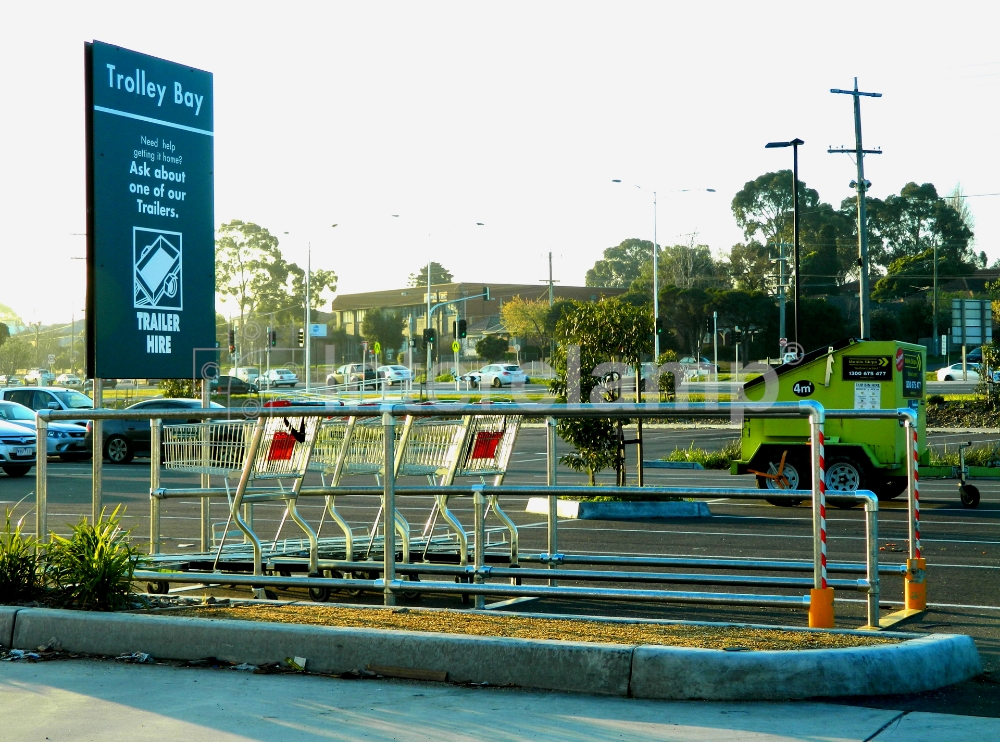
(821, 608)
(916, 585)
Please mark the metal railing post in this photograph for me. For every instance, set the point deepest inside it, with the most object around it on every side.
(552, 542)
(97, 492)
(155, 440)
(206, 504)
(871, 561)
(41, 477)
(388, 507)
(479, 554)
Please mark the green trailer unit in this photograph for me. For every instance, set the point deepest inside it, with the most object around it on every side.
(859, 454)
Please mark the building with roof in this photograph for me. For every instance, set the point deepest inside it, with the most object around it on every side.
(454, 301)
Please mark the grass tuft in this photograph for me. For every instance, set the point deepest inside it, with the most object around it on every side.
(708, 459)
(19, 578)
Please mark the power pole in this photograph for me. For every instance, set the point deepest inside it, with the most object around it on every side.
(552, 300)
(861, 186)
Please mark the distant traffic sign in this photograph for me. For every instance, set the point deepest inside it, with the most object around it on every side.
(783, 342)
(377, 348)
(52, 359)
(456, 346)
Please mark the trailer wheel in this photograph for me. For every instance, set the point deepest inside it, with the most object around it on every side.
(791, 472)
(843, 475)
(969, 494)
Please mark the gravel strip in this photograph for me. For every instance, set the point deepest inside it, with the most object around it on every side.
(525, 627)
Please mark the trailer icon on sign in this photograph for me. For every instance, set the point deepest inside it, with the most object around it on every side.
(156, 260)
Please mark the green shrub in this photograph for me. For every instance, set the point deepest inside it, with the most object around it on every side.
(444, 377)
(708, 459)
(93, 568)
(935, 399)
(983, 455)
(18, 562)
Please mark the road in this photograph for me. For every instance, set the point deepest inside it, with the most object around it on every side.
(962, 546)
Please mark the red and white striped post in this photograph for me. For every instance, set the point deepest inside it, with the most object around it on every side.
(916, 565)
(821, 596)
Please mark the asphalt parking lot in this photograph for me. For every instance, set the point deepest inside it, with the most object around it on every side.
(962, 546)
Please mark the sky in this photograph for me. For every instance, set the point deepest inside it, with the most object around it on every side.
(517, 115)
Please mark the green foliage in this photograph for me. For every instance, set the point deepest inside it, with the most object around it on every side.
(749, 266)
(708, 459)
(92, 569)
(911, 273)
(982, 455)
(4, 333)
(822, 323)
(885, 324)
(763, 207)
(383, 326)
(18, 562)
(666, 382)
(179, 388)
(439, 274)
(991, 361)
(935, 399)
(492, 348)
(447, 376)
(621, 264)
(605, 331)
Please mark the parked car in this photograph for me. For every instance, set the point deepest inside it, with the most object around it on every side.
(126, 439)
(17, 449)
(699, 365)
(50, 398)
(69, 380)
(278, 377)
(65, 440)
(497, 375)
(394, 374)
(88, 385)
(10, 380)
(954, 372)
(249, 374)
(974, 356)
(352, 373)
(38, 377)
(230, 385)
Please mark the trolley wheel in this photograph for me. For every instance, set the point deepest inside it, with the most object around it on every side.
(270, 594)
(160, 587)
(411, 594)
(843, 474)
(969, 494)
(350, 592)
(319, 594)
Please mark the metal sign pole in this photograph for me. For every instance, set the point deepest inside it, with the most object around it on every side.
(98, 453)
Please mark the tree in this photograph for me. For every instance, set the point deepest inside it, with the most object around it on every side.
(384, 327)
(763, 207)
(749, 266)
(605, 331)
(15, 354)
(4, 333)
(910, 274)
(746, 310)
(492, 348)
(621, 264)
(822, 323)
(526, 318)
(686, 312)
(439, 274)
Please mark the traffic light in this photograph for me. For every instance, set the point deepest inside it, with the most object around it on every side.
(429, 336)
(302, 337)
(737, 336)
(232, 340)
(462, 327)
(272, 337)
(660, 326)
(486, 293)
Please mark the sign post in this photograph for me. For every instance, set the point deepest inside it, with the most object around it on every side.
(150, 217)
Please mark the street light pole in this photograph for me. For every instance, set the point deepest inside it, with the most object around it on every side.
(794, 144)
(307, 335)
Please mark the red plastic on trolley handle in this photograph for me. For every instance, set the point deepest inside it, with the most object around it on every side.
(916, 497)
(822, 510)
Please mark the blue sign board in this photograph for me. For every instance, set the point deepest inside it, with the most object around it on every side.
(150, 213)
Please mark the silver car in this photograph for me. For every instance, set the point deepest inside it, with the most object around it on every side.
(497, 375)
(65, 440)
(394, 374)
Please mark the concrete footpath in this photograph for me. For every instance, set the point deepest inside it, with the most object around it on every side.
(105, 700)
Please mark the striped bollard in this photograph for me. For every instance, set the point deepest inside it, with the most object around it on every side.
(821, 598)
(916, 566)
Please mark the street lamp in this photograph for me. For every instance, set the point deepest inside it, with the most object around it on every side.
(794, 144)
(656, 265)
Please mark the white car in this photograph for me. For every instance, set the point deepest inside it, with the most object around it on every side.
(280, 377)
(38, 377)
(395, 374)
(497, 375)
(69, 380)
(954, 372)
(66, 440)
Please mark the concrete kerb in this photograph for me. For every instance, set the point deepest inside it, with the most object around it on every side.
(7, 614)
(922, 662)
